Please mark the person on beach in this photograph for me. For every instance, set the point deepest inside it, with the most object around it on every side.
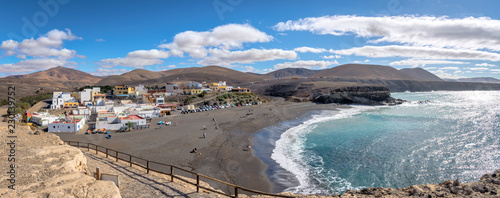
(205, 135)
(204, 128)
(249, 147)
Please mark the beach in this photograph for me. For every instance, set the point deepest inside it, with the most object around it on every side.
(223, 154)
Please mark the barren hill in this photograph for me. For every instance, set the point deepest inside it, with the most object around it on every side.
(421, 74)
(361, 71)
(291, 73)
(200, 74)
(61, 74)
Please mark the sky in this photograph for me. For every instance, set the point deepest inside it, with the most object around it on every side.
(452, 39)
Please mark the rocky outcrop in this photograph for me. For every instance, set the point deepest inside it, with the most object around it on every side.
(331, 92)
(45, 167)
(367, 95)
(488, 186)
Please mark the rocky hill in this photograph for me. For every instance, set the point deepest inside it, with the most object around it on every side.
(362, 71)
(61, 74)
(291, 73)
(199, 74)
(421, 74)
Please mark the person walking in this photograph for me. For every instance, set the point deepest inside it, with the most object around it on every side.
(205, 135)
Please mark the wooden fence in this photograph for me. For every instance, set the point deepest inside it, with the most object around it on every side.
(148, 165)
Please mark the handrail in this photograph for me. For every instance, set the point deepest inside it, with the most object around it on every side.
(172, 168)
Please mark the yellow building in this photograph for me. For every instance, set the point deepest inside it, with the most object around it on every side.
(71, 103)
(123, 90)
(195, 91)
(222, 88)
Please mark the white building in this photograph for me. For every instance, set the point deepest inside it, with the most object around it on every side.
(67, 124)
(115, 122)
(58, 99)
(140, 90)
(222, 83)
(43, 119)
(229, 88)
(172, 89)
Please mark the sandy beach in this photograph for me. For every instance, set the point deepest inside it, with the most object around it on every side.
(223, 154)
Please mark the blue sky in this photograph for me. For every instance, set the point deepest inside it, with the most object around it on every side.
(452, 39)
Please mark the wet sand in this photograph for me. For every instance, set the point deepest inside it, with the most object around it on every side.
(223, 154)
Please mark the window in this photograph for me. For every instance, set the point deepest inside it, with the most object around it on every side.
(68, 127)
(54, 127)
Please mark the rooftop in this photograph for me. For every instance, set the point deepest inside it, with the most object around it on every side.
(132, 117)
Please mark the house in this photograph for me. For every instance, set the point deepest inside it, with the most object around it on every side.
(194, 85)
(137, 120)
(140, 90)
(71, 103)
(87, 95)
(123, 90)
(43, 119)
(113, 122)
(229, 88)
(241, 90)
(195, 91)
(172, 89)
(67, 124)
(58, 99)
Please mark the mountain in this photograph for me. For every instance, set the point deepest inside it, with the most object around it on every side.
(477, 79)
(199, 74)
(291, 73)
(137, 75)
(61, 74)
(421, 74)
(53, 79)
(362, 71)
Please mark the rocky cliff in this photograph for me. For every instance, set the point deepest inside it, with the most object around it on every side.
(45, 167)
(330, 92)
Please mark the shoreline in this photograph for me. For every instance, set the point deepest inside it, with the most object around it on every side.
(223, 153)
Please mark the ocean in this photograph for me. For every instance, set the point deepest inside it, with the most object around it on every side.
(447, 135)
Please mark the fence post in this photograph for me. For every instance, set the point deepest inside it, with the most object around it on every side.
(106, 152)
(98, 173)
(116, 156)
(236, 191)
(171, 173)
(96, 150)
(197, 183)
(130, 160)
(148, 167)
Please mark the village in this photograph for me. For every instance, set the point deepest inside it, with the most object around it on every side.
(124, 107)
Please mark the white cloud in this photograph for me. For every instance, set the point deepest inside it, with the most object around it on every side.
(332, 57)
(48, 45)
(230, 36)
(139, 58)
(450, 68)
(41, 53)
(419, 62)
(100, 40)
(226, 57)
(419, 53)
(31, 65)
(479, 69)
(171, 66)
(108, 72)
(309, 49)
(495, 70)
(305, 64)
(485, 65)
(461, 33)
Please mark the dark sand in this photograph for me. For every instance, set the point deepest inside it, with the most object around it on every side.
(223, 154)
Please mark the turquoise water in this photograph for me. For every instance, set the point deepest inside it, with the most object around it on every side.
(456, 135)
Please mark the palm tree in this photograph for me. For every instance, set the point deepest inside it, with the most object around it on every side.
(130, 125)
